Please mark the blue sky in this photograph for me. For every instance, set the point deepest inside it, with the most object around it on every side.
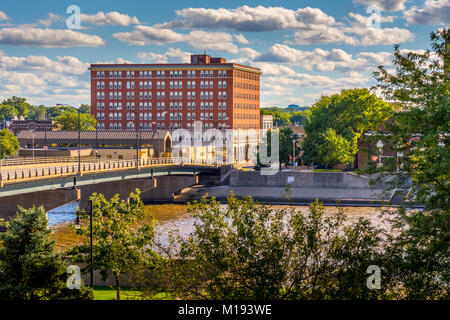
(304, 48)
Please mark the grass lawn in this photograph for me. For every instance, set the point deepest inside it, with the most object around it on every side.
(108, 293)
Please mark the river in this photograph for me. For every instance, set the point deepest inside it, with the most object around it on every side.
(174, 217)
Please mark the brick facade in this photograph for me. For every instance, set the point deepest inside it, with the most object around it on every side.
(171, 96)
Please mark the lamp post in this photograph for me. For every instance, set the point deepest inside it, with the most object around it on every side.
(137, 139)
(79, 133)
(78, 226)
(380, 146)
(34, 135)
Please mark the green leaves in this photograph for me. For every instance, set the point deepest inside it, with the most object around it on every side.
(9, 144)
(119, 245)
(29, 269)
(246, 250)
(349, 114)
(69, 121)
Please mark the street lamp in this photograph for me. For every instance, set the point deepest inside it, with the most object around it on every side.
(78, 226)
(380, 146)
(79, 133)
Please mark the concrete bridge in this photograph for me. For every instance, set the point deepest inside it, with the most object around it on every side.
(53, 182)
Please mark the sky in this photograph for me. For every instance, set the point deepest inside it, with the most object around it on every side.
(305, 49)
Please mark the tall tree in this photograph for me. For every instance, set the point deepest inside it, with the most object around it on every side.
(37, 112)
(119, 246)
(85, 108)
(69, 121)
(421, 85)
(9, 144)
(349, 114)
(29, 268)
(7, 112)
(20, 104)
(250, 251)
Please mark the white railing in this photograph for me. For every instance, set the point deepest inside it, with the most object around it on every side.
(91, 165)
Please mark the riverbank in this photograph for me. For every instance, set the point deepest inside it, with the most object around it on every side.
(295, 196)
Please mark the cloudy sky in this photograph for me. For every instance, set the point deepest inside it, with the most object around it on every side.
(304, 48)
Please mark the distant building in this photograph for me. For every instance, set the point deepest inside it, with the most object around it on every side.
(30, 125)
(266, 121)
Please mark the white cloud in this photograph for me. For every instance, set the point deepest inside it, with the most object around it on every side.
(241, 39)
(433, 12)
(321, 35)
(171, 56)
(43, 80)
(386, 5)
(109, 18)
(335, 60)
(246, 18)
(355, 32)
(48, 38)
(66, 64)
(3, 16)
(369, 36)
(143, 35)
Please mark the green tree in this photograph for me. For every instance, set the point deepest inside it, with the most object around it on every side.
(250, 251)
(337, 149)
(420, 85)
(29, 268)
(69, 121)
(9, 144)
(119, 246)
(349, 114)
(85, 108)
(20, 104)
(286, 138)
(7, 112)
(37, 112)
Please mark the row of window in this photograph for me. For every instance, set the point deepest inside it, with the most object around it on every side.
(247, 116)
(159, 126)
(161, 106)
(245, 85)
(247, 96)
(246, 75)
(161, 116)
(246, 106)
(161, 74)
(162, 85)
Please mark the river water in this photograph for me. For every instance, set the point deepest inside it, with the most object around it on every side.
(174, 217)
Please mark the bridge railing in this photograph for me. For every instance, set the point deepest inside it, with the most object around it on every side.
(47, 160)
(15, 174)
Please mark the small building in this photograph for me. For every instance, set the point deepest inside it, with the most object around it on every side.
(266, 121)
(17, 126)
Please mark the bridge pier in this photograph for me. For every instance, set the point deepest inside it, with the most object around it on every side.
(167, 186)
(50, 199)
(121, 187)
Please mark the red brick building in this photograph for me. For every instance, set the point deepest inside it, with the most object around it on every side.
(169, 96)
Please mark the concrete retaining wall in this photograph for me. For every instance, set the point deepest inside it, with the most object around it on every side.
(299, 180)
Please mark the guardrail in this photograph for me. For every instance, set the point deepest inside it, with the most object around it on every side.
(42, 160)
(86, 167)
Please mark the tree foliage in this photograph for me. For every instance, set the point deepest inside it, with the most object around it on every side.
(7, 112)
(286, 138)
(349, 114)
(119, 246)
(29, 268)
(9, 144)
(69, 121)
(20, 104)
(420, 130)
(248, 251)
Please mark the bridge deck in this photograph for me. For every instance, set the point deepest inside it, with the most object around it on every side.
(14, 174)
